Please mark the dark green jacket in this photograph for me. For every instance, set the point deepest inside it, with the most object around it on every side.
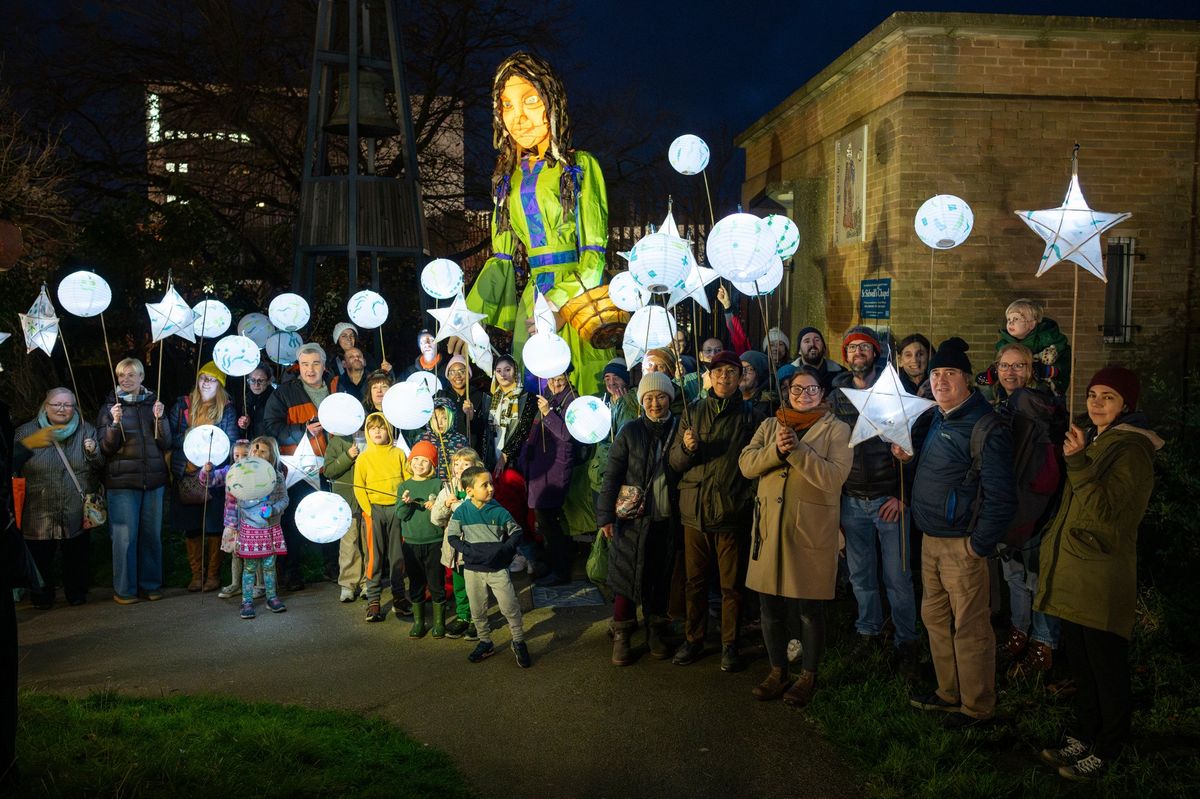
(1089, 552)
(339, 468)
(714, 496)
(1051, 354)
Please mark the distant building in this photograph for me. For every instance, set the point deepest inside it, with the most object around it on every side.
(988, 107)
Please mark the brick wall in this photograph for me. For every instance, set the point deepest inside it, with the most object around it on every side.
(988, 108)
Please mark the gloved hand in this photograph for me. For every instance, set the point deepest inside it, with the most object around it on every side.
(264, 510)
(987, 377)
(1047, 356)
(42, 437)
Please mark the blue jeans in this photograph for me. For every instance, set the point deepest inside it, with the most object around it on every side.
(1022, 588)
(862, 527)
(135, 524)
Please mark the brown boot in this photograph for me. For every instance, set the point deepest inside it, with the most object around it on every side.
(621, 630)
(1039, 659)
(212, 576)
(775, 686)
(656, 629)
(801, 692)
(194, 560)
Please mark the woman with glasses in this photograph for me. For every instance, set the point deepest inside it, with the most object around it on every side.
(196, 509)
(468, 402)
(801, 458)
(258, 390)
(58, 455)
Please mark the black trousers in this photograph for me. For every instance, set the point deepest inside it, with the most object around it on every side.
(1099, 663)
(76, 565)
(423, 562)
(781, 615)
(560, 547)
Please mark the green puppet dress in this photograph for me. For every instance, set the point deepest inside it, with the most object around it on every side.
(565, 247)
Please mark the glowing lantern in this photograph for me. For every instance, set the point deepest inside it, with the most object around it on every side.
(323, 517)
(660, 262)
(236, 356)
(588, 420)
(281, 347)
(367, 309)
(206, 443)
(765, 284)
(1072, 231)
(442, 278)
(546, 355)
(408, 407)
(886, 410)
(212, 318)
(341, 414)
(250, 479)
(288, 312)
(784, 234)
(256, 327)
(171, 317)
(40, 324)
(688, 154)
(944, 221)
(625, 293)
(739, 249)
(84, 294)
(425, 381)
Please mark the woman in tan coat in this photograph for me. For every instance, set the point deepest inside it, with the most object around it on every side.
(801, 458)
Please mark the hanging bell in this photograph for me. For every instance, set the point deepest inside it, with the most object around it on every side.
(374, 119)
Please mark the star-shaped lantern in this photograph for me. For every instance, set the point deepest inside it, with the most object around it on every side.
(455, 320)
(543, 314)
(481, 348)
(1072, 231)
(303, 464)
(695, 287)
(171, 317)
(886, 410)
(40, 324)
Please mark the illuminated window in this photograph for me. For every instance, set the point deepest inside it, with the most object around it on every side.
(153, 125)
(170, 166)
(183, 168)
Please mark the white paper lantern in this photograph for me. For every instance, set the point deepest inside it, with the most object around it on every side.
(281, 347)
(256, 327)
(688, 154)
(341, 414)
(784, 235)
(425, 381)
(739, 249)
(212, 318)
(367, 309)
(944, 221)
(660, 262)
(323, 517)
(288, 312)
(625, 293)
(588, 420)
(250, 479)
(84, 294)
(650, 327)
(442, 278)
(546, 355)
(236, 356)
(206, 443)
(765, 284)
(408, 407)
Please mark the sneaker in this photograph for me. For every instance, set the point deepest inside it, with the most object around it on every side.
(247, 611)
(346, 595)
(471, 634)
(402, 608)
(456, 628)
(260, 591)
(518, 564)
(276, 605)
(731, 659)
(482, 651)
(961, 721)
(522, 652)
(125, 600)
(229, 591)
(1086, 769)
(374, 613)
(150, 596)
(689, 653)
(1068, 755)
(933, 702)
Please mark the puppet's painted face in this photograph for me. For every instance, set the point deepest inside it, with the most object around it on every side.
(525, 115)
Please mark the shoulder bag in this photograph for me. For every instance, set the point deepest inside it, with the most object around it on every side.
(95, 509)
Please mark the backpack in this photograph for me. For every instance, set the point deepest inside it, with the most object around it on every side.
(1037, 472)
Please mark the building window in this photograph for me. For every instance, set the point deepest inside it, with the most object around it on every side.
(170, 166)
(182, 167)
(1118, 327)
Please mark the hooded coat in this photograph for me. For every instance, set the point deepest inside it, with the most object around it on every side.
(548, 455)
(379, 470)
(448, 441)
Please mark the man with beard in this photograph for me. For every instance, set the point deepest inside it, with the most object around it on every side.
(872, 513)
(814, 354)
(351, 381)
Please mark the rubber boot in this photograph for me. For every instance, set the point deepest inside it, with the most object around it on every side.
(774, 686)
(212, 577)
(656, 630)
(621, 630)
(194, 560)
(418, 626)
(439, 620)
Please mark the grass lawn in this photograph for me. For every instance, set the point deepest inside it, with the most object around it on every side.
(195, 746)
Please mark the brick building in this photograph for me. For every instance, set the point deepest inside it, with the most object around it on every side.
(988, 108)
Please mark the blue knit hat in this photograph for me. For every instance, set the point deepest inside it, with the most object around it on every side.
(759, 361)
(617, 367)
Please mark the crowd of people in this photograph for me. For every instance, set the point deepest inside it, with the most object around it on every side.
(732, 469)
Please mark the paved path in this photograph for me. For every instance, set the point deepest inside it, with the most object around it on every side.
(572, 726)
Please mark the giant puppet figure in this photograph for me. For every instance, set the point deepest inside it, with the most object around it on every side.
(550, 205)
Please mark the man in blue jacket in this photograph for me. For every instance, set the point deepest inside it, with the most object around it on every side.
(964, 509)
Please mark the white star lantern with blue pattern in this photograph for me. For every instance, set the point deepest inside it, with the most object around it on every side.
(1072, 231)
(456, 319)
(40, 324)
(886, 410)
(171, 317)
(303, 464)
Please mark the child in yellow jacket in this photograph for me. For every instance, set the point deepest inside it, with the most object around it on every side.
(378, 471)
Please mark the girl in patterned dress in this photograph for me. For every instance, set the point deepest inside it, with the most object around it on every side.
(260, 536)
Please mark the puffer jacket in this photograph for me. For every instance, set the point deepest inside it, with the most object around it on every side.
(136, 457)
(53, 507)
(1089, 552)
(945, 491)
(874, 471)
(714, 496)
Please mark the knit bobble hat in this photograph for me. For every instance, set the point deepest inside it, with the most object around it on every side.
(775, 334)
(951, 354)
(424, 449)
(666, 357)
(211, 370)
(655, 381)
(342, 327)
(860, 333)
(1121, 380)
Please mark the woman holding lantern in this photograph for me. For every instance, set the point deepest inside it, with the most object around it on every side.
(550, 208)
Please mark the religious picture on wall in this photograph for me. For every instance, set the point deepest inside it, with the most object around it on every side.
(849, 186)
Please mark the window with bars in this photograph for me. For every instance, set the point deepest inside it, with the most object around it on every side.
(1118, 327)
